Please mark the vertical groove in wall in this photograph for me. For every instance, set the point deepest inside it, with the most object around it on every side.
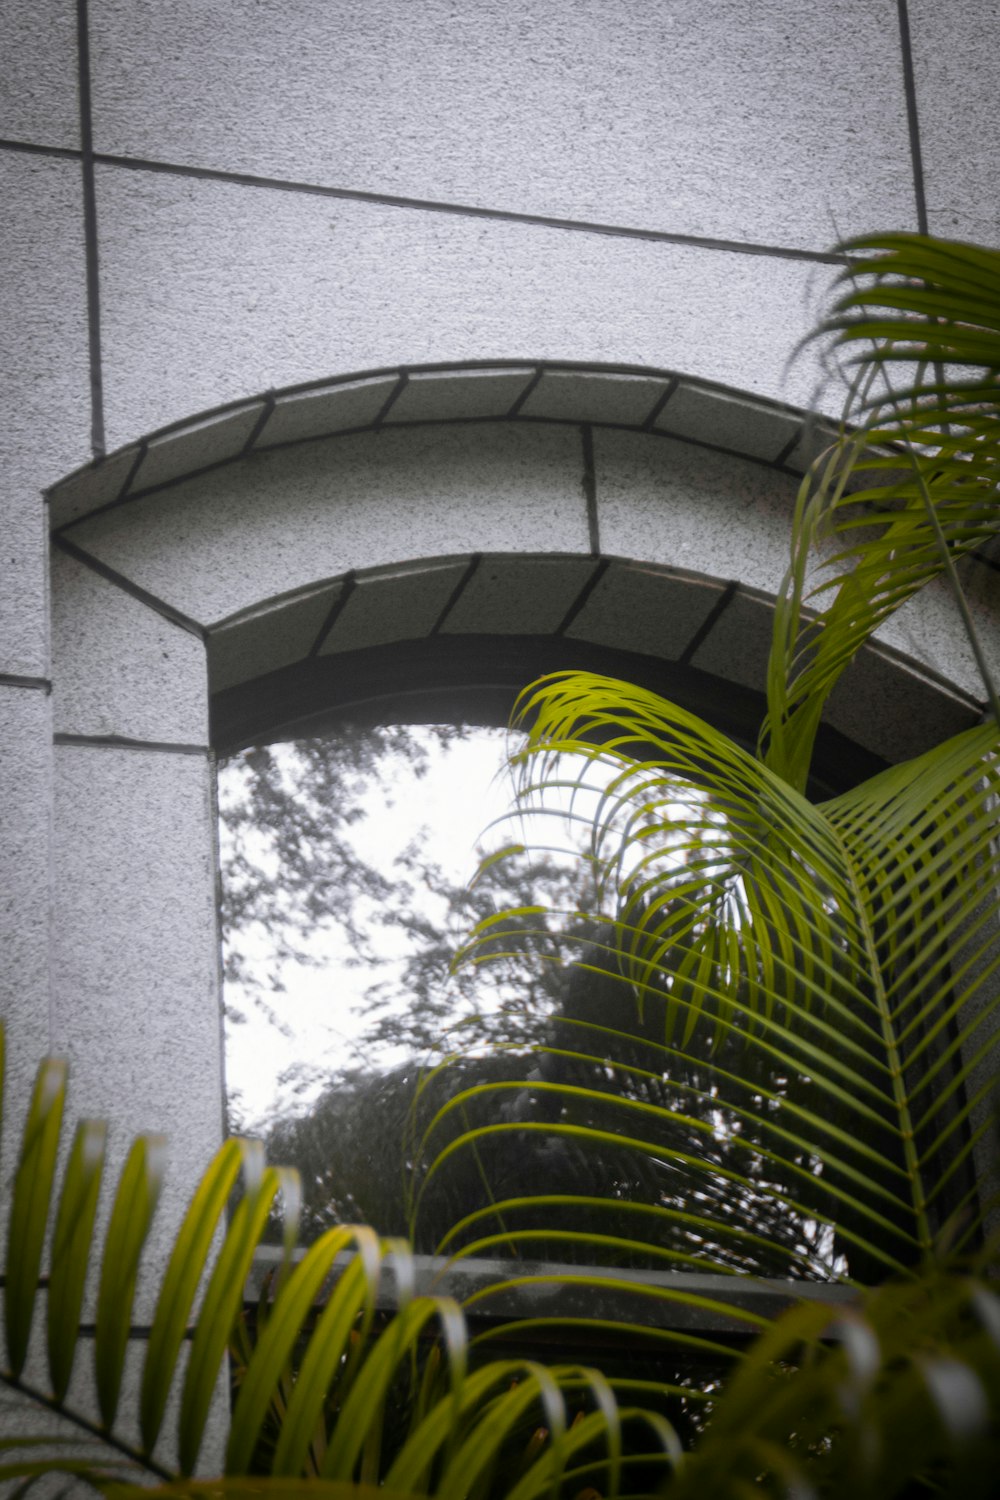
(213, 794)
(90, 232)
(912, 118)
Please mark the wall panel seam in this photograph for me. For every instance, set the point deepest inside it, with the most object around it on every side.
(97, 435)
(912, 116)
(466, 210)
(709, 623)
(36, 148)
(110, 575)
(17, 680)
(125, 742)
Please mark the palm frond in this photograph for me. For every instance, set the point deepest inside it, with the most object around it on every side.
(903, 1390)
(336, 1391)
(794, 999)
(907, 491)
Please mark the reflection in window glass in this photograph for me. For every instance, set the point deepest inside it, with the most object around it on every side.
(346, 866)
(346, 863)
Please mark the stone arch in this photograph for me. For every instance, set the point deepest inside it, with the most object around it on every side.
(300, 535)
(424, 530)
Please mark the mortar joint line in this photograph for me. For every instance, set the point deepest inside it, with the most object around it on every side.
(468, 573)
(785, 453)
(19, 680)
(526, 392)
(133, 470)
(590, 489)
(709, 623)
(603, 564)
(333, 614)
(270, 401)
(468, 210)
(391, 399)
(136, 591)
(660, 403)
(127, 742)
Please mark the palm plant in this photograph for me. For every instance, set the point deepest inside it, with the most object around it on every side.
(783, 1064)
(811, 984)
(373, 1401)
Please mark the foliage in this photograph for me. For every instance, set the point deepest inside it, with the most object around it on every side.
(824, 1400)
(907, 493)
(375, 1399)
(782, 1058)
(828, 970)
(302, 887)
(901, 1399)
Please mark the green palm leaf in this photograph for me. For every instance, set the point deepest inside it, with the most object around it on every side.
(221, 1307)
(846, 946)
(907, 1387)
(782, 1063)
(895, 503)
(180, 1283)
(30, 1207)
(131, 1216)
(71, 1249)
(330, 1388)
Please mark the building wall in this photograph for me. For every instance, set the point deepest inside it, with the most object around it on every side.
(207, 202)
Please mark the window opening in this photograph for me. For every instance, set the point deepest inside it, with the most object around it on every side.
(345, 861)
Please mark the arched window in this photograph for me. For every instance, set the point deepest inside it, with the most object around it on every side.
(409, 545)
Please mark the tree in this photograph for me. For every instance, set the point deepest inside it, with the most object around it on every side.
(299, 885)
(354, 1144)
(839, 943)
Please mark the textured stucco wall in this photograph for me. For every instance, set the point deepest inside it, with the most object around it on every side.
(216, 199)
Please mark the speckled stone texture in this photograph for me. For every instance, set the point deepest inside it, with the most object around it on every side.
(890, 710)
(25, 811)
(135, 955)
(696, 133)
(44, 431)
(736, 647)
(745, 122)
(135, 976)
(518, 596)
(212, 290)
(930, 628)
(725, 421)
(333, 408)
(93, 485)
(285, 519)
(645, 610)
(395, 605)
(667, 502)
(578, 396)
(201, 445)
(118, 668)
(955, 64)
(433, 395)
(268, 639)
(21, 1415)
(38, 72)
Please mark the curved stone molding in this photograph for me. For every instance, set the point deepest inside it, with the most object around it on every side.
(626, 511)
(660, 401)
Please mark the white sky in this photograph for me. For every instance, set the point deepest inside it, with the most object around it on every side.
(454, 801)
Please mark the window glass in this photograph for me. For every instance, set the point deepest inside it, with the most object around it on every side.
(347, 863)
(444, 1103)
